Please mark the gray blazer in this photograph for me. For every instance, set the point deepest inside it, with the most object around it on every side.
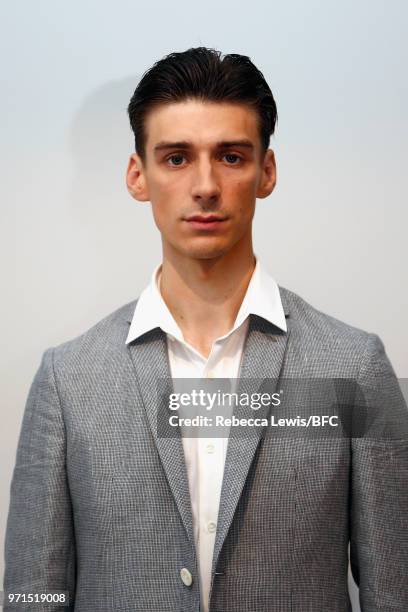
(100, 502)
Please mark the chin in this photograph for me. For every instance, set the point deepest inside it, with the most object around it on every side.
(203, 252)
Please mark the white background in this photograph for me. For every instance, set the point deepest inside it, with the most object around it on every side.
(76, 246)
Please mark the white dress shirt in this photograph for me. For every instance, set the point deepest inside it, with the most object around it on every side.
(205, 457)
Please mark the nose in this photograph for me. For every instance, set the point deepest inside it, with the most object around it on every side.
(205, 189)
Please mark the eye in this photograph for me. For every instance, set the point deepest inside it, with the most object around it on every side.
(176, 159)
(232, 159)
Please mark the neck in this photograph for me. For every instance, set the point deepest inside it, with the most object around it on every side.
(204, 295)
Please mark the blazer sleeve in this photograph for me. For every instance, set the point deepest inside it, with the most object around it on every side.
(40, 545)
(379, 489)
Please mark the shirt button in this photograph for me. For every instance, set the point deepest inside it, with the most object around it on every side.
(210, 448)
(186, 576)
(211, 526)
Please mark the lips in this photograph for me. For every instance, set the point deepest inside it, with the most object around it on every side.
(205, 218)
(205, 222)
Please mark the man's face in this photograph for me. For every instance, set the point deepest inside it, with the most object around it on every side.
(202, 173)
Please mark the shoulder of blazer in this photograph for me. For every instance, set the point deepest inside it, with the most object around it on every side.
(104, 342)
(315, 333)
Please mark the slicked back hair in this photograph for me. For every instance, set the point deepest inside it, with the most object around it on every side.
(202, 74)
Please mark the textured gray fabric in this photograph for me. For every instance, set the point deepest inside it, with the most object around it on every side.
(100, 503)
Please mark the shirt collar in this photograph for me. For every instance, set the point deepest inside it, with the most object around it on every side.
(262, 298)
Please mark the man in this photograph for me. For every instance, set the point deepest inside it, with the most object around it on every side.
(109, 506)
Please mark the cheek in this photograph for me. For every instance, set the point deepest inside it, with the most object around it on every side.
(162, 214)
(244, 186)
(169, 184)
(241, 196)
(165, 197)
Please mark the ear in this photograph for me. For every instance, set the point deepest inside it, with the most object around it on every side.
(136, 179)
(268, 175)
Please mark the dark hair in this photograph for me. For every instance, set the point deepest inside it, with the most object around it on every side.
(202, 73)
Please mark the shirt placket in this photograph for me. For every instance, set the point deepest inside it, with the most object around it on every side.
(211, 467)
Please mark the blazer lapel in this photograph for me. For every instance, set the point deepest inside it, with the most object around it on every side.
(262, 359)
(150, 360)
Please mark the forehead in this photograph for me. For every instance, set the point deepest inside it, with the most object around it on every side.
(201, 123)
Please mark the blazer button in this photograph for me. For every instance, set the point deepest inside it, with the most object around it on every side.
(186, 576)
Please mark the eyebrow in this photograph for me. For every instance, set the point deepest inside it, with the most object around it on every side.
(223, 144)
